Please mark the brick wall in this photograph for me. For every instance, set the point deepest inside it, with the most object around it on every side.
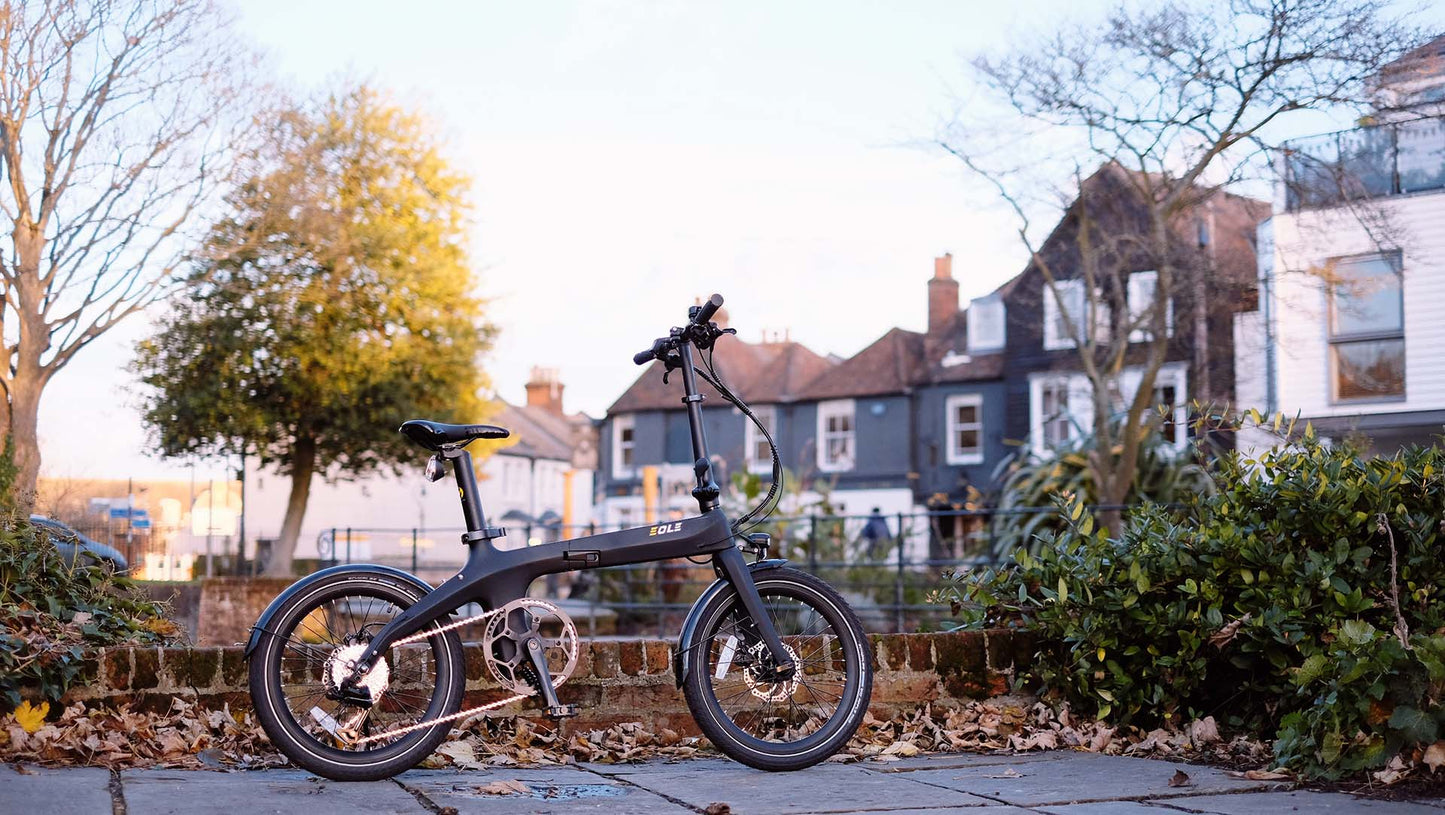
(615, 680)
(229, 606)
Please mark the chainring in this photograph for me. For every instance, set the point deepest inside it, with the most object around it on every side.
(503, 644)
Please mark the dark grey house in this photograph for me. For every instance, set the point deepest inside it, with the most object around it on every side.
(919, 419)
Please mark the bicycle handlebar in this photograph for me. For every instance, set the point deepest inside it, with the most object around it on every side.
(708, 309)
(703, 315)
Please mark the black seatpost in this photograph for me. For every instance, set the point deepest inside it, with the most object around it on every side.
(467, 484)
(706, 492)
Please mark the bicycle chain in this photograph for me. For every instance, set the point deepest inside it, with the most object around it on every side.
(461, 714)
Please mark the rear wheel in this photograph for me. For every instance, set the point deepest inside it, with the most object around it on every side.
(784, 725)
(296, 662)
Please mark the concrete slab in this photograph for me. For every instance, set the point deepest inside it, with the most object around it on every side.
(1083, 777)
(553, 790)
(38, 791)
(1112, 808)
(820, 789)
(949, 761)
(163, 792)
(1288, 803)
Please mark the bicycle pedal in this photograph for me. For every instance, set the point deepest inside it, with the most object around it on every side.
(561, 711)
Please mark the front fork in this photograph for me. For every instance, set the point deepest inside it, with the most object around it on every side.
(730, 566)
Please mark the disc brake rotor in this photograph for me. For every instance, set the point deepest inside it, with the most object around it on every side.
(772, 691)
(503, 644)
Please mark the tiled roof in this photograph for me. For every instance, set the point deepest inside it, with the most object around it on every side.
(892, 364)
(761, 373)
(539, 432)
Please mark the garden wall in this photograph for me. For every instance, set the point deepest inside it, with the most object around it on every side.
(615, 680)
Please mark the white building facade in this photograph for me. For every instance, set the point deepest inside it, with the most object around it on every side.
(1352, 274)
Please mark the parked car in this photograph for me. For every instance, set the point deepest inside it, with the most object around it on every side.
(76, 547)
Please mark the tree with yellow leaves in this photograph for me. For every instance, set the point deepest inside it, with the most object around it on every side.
(335, 302)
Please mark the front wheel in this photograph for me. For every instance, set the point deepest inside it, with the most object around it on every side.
(790, 724)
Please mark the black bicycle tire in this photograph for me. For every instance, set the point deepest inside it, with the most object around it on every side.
(707, 713)
(387, 761)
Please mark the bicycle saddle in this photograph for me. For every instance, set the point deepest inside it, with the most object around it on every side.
(436, 435)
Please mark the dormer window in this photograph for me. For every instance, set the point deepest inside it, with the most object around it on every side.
(986, 329)
(1143, 288)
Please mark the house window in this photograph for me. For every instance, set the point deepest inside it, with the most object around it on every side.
(1057, 422)
(986, 331)
(1169, 397)
(624, 446)
(759, 455)
(1367, 329)
(1142, 291)
(965, 428)
(835, 435)
(1056, 329)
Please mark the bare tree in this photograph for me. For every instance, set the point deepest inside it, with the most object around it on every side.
(116, 124)
(1178, 102)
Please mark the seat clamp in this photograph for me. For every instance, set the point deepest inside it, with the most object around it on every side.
(696, 397)
(485, 534)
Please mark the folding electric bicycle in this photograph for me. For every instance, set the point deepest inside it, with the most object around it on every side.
(356, 672)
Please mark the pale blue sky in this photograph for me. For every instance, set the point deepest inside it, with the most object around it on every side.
(631, 156)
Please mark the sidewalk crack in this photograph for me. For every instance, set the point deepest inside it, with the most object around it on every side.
(427, 803)
(117, 794)
(623, 781)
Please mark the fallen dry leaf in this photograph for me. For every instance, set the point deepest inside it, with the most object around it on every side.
(1434, 756)
(1221, 638)
(718, 809)
(31, 717)
(1180, 779)
(1263, 775)
(508, 787)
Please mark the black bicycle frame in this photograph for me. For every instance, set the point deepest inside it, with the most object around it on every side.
(494, 577)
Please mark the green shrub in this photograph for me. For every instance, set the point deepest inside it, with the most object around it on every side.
(1302, 600)
(1028, 480)
(53, 612)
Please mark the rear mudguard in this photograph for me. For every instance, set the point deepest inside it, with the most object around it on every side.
(263, 625)
(681, 657)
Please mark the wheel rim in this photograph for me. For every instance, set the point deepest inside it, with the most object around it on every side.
(307, 641)
(802, 713)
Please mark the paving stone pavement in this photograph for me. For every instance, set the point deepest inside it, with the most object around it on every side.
(1057, 783)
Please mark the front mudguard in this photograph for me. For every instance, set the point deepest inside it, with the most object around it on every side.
(263, 625)
(681, 656)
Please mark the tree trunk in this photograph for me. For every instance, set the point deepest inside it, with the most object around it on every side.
(303, 466)
(29, 377)
(25, 438)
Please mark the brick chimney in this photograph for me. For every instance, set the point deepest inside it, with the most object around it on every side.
(942, 295)
(544, 390)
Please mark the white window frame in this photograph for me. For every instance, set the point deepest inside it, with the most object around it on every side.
(1080, 409)
(987, 313)
(957, 455)
(768, 415)
(619, 424)
(830, 409)
(1140, 303)
(1177, 377)
(1055, 336)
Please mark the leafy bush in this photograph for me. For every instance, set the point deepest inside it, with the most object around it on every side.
(52, 612)
(1304, 600)
(1028, 480)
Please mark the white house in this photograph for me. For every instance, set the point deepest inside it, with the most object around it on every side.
(539, 483)
(1352, 270)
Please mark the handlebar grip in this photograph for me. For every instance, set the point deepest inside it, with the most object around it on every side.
(643, 357)
(708, 309)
